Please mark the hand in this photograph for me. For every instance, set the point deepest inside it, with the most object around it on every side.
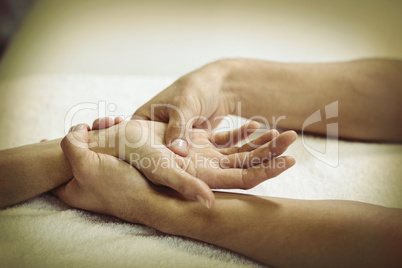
(242, 223)
(196, 100)
(211, 161)
(107, 185)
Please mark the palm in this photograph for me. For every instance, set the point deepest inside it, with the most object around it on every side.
(212, 157)
(205, 163)
(213, 161)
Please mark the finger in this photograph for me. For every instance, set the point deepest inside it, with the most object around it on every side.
(78, 127)
(254, 144)
(102, 123)
(75, 147)
(118, 120)
(69, 193)
(144, 112)
(251, 177)
(232, 137)
(211, 123)
(60, 192)
(186, 184)
(273, 149)
(140, 117)
(176, 132)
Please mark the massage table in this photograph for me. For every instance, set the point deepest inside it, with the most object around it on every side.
(62, 69)
(45, 232)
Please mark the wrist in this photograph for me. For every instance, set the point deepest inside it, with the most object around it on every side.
(249, 81)
(223, 71)
(167, 211)
(158, 207)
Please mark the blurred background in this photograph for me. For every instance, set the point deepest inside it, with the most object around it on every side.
(174, 37)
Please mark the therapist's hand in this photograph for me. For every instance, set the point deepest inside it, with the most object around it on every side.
(107, 185)
(196, 100)
(212, 162)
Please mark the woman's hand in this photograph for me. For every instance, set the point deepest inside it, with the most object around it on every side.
(105, 184)
(196, 100)
(242, 223)
(212, 161)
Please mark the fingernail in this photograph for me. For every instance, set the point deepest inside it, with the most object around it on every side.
(179, 146)
(255, 123)
(78, 127)
(179, 143)
(203, 201)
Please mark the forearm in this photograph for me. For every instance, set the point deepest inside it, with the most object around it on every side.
(31, 170)
(288, 233)
(28, 171)
(369, 94)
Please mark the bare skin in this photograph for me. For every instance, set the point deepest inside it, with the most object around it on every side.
(275, 231)
(25, 171)
(279, 232)
(28, 171)
(369, 95)
(364, 97)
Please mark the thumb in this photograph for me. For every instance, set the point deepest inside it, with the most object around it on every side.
(143, 113)
(75, 147)
(177, 131)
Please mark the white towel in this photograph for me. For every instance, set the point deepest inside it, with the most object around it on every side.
(44, 232)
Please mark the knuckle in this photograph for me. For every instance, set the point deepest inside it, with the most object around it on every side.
(178, 124)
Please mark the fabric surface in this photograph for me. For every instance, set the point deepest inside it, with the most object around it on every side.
(47, 233)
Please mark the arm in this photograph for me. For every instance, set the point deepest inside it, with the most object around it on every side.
(290, 233)
(28, 171)
(276, 231)
(369, 95)
(212, 162)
